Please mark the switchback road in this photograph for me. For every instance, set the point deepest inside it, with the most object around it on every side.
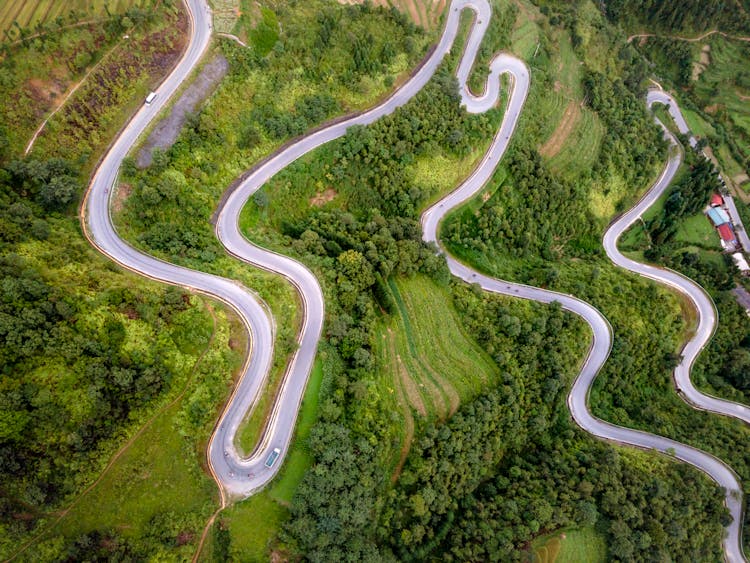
(241, 477)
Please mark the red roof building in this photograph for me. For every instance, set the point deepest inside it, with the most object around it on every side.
(716, 199)
(726, 233)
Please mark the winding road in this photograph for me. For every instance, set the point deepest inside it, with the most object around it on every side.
(238, 477)
(701, 301)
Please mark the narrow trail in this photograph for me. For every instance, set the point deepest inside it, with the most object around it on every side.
(67, 96)
(690, 39)
(239, 477)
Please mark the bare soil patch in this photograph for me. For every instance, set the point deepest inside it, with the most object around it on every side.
(556, 141)
(400, 384)
(712, 109)
(165, 133)
(44, 91)
(408, 432)
(120, 196)
(702, 64)
(322, 198)
(705, 57)
(412, 393)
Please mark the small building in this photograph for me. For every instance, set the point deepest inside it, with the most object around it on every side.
(741, 263)
(718, 216)
(716, 200)
(727, 235)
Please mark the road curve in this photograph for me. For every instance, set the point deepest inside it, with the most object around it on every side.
(702, 302)
(600, 327)
(241, 477)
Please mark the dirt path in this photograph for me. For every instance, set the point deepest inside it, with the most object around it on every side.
(556, 141)
(165, 133)
(68, 95)
(128, 444)
(690, 39)
(207, 529)
(409, 387)
(445, 390)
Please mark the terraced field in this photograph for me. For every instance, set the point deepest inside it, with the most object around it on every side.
(29, 13)
(432, 365)
(581, 146)
(444, 362)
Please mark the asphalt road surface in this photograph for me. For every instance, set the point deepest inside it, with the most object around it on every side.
(241, 477)
(696, 294)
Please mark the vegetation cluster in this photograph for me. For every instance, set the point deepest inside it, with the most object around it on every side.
(93, 357)
(478, 481)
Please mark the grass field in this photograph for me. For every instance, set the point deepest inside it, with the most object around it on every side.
(697, 230)
(226, 13)
(570, 546)
(30, 13)
(250, 432)
(156, 484)
(437, 174)
(698, 126)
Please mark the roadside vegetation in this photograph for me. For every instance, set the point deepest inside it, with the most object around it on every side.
(349, 211)
(280, 86)
(110, 383)
(710, 79)
(524, 231)
(678, 235)
(707, 70)
(491, 460)
(38, 73)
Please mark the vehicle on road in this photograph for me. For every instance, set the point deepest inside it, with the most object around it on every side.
(150, 98)
(273, 456)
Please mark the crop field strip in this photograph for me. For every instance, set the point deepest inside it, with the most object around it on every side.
(436, 390)
(29, 13)
(445, 364)
(586, 137)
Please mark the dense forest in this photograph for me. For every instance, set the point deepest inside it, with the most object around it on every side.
(698, 15)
